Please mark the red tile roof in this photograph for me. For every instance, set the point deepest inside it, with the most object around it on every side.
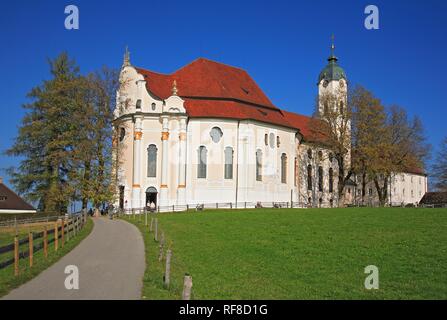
(212, 89)
(208, 79)
(228, 109)
(415, 170)
(304, 124)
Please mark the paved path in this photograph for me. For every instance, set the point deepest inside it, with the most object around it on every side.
(111, 266)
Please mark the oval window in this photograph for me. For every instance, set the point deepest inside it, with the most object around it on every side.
(216, 134)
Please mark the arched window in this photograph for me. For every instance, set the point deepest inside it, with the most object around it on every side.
(228, 163)
(342, 107)
(138, 106)
(331, 180)
(201, 166)
(320, 155)
(266, 139)
(331, 157)
(258, 165)
(309, 153)
(295, 172)
(122, 134)
(283, 168)
(152, 161)
(153, 106)
(272, 140)
(320, 178)
(278, 141)
(309, 177)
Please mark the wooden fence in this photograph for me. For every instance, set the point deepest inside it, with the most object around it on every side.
(165, 250)
(63, 230)
(213, 205)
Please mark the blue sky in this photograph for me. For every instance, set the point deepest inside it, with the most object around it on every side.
(282, 44)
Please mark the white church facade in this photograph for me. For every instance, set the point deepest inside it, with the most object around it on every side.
(207, 134)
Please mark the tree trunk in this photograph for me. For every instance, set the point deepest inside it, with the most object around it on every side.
(382, 191)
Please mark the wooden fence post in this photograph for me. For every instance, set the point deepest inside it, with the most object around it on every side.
(160, 253)
(152, 223)
(16, 255)
(168, 268)
(156, 230)
(45, 242)
(56, 236)
(68, 229)
(187, 285)
(63, 233)
(31, 248)
(145, 218)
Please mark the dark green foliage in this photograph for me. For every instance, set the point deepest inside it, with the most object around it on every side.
(65, 138)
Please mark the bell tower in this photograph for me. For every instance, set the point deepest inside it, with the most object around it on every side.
(332, 87)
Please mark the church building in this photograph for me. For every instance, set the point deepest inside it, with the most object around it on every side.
(208, 134)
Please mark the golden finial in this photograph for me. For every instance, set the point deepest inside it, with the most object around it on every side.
(174, 88)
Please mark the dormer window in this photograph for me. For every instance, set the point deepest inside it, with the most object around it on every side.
(138, 105)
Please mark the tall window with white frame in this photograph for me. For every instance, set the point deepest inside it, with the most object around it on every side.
(258, 165)
(228, 163)
(152, 161)
(295, 172)
(201, 165)
(283, 168)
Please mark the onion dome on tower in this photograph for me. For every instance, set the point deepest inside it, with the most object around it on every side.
(332, 71)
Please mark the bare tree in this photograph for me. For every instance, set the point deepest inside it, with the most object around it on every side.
(331, 125)
(439, 169)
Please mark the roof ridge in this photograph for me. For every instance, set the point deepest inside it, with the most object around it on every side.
(159, 73)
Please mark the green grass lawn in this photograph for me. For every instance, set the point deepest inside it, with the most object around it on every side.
(7, 279)
(302, 253)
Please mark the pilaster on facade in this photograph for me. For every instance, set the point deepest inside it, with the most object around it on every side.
(181, 188)
(136, 181)
(164, 161)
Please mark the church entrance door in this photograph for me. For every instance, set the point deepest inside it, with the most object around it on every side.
(151, 196)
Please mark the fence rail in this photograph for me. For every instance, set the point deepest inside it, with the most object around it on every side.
(15, 222)
(214, 205)
(64, 229)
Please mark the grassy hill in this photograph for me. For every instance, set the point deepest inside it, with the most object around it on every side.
(302, 253)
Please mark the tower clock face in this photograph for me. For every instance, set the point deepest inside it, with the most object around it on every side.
(325, 83)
